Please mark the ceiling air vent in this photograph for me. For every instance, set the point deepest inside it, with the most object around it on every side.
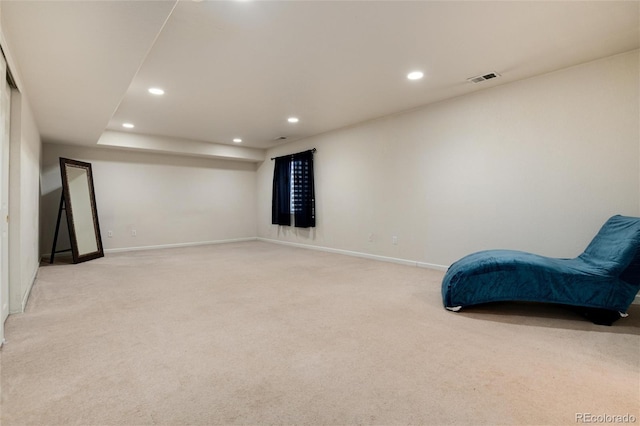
(479, 78)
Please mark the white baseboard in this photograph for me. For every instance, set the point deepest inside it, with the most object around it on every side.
(437, 267)
(192, 244)
(358, 254)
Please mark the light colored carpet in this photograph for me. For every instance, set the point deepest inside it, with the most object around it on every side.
(259, 333)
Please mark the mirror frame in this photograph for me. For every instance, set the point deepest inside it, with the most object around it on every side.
(77, 257)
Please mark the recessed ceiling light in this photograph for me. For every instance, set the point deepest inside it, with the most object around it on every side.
(156, 91)
(237, 140)
(128, 125)
(415, 75)
(293, 119)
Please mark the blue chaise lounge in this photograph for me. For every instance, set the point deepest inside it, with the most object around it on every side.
(602, 282)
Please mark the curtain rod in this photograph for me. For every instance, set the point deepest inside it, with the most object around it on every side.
(291, 155)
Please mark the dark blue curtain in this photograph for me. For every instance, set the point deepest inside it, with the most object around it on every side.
(294, 191)
(281, 201)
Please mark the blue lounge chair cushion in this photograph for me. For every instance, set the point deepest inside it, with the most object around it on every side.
(605, 276)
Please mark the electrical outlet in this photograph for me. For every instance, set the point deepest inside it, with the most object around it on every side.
(134, 233)
(110, 234)
(394, 240)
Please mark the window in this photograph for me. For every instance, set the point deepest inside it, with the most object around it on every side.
(299, 188)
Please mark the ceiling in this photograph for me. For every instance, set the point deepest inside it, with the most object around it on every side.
(239, 69)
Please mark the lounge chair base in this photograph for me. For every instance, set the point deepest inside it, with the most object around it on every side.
(600, 316)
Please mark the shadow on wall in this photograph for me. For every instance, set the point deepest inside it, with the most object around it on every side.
(227, 178)
(50, 173)
(50, 202)
(90, 154)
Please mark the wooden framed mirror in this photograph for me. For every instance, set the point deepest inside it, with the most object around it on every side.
(80, 206)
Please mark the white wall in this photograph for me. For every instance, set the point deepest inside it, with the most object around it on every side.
(535, 165)
(24, 191)
(24, 198)
(5, 115)
(166, 199)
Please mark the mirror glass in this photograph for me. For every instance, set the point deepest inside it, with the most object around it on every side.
(80, 206)
(80, 199)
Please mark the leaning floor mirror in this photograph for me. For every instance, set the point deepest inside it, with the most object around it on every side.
(80, 207)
